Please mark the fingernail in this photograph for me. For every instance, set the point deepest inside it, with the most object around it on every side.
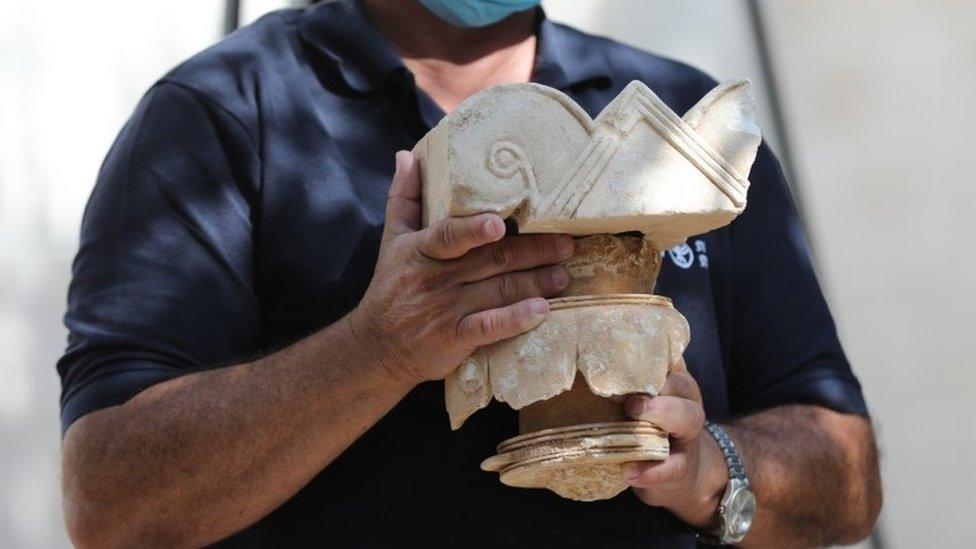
(494, 227)
(560, 278)
(565, 246)
(539, 307)
(402, 157)
(630, 472)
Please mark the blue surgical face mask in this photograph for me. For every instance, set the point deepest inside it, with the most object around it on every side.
(476, 13)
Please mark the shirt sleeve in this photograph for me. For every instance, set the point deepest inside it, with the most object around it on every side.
(162, 284)
(784, 346)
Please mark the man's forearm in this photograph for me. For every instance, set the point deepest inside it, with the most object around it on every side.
(194, 459)
(815, 473)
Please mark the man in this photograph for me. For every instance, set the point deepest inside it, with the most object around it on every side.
(257, 320)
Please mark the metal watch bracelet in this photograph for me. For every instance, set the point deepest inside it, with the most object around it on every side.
(738, 505)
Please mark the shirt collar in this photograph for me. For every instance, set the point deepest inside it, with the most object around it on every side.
(566, 57)
(343, 32)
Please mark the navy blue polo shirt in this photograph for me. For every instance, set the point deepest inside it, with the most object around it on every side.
(241, 208)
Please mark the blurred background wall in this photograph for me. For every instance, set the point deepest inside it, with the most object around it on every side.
(876, 116)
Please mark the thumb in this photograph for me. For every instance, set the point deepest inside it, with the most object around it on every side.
(403, 203)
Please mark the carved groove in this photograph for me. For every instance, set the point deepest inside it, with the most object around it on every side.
(565, 199)
(580, 179)
(674, 130)
(506, 159)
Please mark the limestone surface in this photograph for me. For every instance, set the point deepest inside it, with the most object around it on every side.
(530, 153)
(620, 343)
(581, 462)
(636, 180)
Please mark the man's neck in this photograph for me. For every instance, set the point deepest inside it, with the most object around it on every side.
(450, 63)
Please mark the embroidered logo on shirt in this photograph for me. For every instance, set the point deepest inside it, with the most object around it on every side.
(683, 255)
(702, 256)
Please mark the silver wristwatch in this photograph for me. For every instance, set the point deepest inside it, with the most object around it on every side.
(738, 506)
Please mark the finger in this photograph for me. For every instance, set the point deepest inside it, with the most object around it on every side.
(509, 288)
(515, 253)
(403, 201)
(683, 419)
(681, 384)
(650, 474)
(493, 325)
(453, 237)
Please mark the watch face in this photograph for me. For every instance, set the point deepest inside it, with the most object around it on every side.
(741, 510)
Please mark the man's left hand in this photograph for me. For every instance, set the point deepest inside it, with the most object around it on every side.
(691, 481)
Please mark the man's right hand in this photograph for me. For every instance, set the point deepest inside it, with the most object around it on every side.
(441, 292)
(193, 459)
